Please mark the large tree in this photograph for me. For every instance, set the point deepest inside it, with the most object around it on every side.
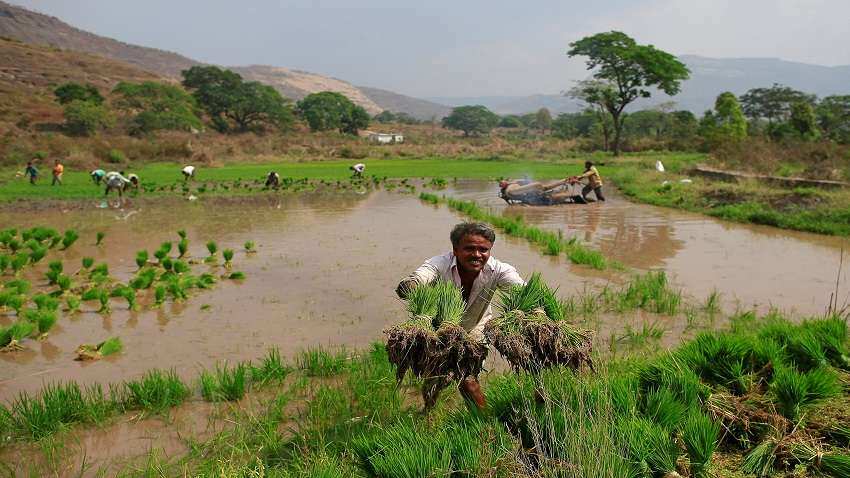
(772, 104)
(833, 113)
(543, 120)
(472, 120)
(233, 103)
(157, 106)
(599, 96)
(630, 70)
(329, 110)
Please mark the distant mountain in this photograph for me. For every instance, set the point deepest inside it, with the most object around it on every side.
(419, 109)
(709, 78)
(35, 28)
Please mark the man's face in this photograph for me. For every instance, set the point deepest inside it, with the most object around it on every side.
(472, 252)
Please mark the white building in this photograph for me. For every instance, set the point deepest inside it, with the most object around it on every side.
(385, 138)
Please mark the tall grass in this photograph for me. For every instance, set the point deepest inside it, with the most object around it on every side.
(155, 392)
(225, 384)
(318, 362)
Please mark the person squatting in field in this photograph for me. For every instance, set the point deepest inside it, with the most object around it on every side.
(272, 180)
(97, 176)
(357, 169)
(470, 267)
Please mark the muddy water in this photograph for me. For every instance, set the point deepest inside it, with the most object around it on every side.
(324, 274)
(750, 265)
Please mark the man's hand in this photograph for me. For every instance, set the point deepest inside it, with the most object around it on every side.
(405, 287)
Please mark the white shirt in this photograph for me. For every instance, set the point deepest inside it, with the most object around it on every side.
(189, 170)
(495, 275)
(359, 167)
(114, 180)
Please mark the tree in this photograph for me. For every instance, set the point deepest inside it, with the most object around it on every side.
(803, 121)
(833, 114)
(726, 122)
(575, 125)
(629, 70)
(472, 120)
(71, 91)
(543, 120)
(329, 110)
(510, 121)
(683, 125)
(157, 106)
(772, 104)
(85, 118)
(599, 97)
(385, 116)
(232, 103)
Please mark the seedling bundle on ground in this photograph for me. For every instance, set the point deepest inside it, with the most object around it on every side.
(531, 331)
(432, 344)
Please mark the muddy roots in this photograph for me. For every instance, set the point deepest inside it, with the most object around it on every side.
(532, 342)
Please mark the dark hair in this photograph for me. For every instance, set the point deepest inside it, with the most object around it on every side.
(471, 229)
(588, 164)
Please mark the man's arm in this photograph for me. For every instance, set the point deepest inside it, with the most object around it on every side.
(424, 274)
(508, 277)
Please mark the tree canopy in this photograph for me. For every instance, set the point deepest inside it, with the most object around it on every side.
(330, 110)
(833, 114)
(233, 103)
(157, 106)
(625, 72)
(773, 103)
(472, 120)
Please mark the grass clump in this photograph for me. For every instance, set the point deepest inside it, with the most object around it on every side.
(225, 384)
(317, 362)
(272, 368)
(250, 247)
(228, 257)
(155, 392)
(69, 238)
(531, 333)
(99, 237)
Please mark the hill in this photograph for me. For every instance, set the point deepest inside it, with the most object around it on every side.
(395, 102)
(39, 29)
(709, 78)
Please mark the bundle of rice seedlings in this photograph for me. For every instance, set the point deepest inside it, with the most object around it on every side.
(182, 233)
(5, 260)
(180, 267)
(100, 236)
(87, 262)
(46, 302)
(249, 247)
(54, 269)
(795, 391)
(761, 459)
(108, 347)
(742, 419)
(143, 279)
(101, 270)
(432, 344)
(100, 295)
(162, 253)
(159, 295)
(44, 320)
(73, 303)
(64, 283)
(11, 336)
(649, 447)
(17, 286)
(69, 238)
(212, 247)
(19, 261)
(531, 332)
(141, 258)
(236, 275)
(183, 247)
(37, 254)
(15, 302)
(127, 293)
(228, 257)
(700, 435)
(808, 452)
(662, 407)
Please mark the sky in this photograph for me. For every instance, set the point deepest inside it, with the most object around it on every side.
(439, 48)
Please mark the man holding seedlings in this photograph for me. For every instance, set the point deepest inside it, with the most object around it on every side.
(471, 268)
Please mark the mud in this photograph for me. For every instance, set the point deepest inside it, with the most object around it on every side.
(750, 265)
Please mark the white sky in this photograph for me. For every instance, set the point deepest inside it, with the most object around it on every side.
(459, 48)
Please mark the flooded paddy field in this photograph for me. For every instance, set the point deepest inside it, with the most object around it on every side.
(324, 275)
(748, 264)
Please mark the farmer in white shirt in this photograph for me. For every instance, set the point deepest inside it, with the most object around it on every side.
(115, 181)
(470, 267)
(358, 169)
(188, 172)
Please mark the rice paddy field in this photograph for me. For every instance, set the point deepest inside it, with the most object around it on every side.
(242, 335)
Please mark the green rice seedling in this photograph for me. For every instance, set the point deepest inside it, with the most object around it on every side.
(167, 264)
(159, 295)
(87, 262)
(69, 238)
(793, 391)
(177, 289)
(57, 406)
(5, 262)
(161, 254)
(14, 245)
(45, 319)
(100, 295)
(37, 254)
(99, 238)
(805, 350)
(54, 268)
(832, 334)
(212, 247)
(836, 465)
(143, 280)
(477, 445)
(554, 246)
(236, 275)
(19, 261)
(651, 292)
(141, 258)
(46, 302)
(183, 247)
(155, 392)
(317, 362)
(127, 293)
(206, 280)
(761, 459)
(17, 286)
(270, 369)
(228, 257)
(64, 282)
(662, 407)
(672, 374)
(648, 446)
(712, 303)
(250, 247)
(182, 233)
(16, 333)
(72, 302)
(101, 269)
(226, 384)
(16, 302)
(720, 359)
(429, 198)
(700, 435)
(180, 267)
(403, 450)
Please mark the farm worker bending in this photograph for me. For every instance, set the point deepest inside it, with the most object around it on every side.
(58, 169)
(188, 172)
(134, 180)
(97, 176)
(273, 180)
(470, 267)
(594, 181)
(31, 171)
(358, 169)
(117, 181)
